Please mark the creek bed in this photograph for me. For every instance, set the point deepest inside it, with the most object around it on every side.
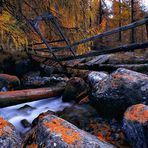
(15, 114)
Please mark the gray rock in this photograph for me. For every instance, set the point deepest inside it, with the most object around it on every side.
(26, 108)
(52, 131)
(115, 93)
(34, 80)
(9, 138)
(135, 125)
(25, 123)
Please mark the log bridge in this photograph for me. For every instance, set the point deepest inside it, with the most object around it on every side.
(57, 56)
(92, 60)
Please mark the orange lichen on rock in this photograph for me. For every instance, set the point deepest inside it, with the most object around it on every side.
(123, 76)
(117, 77)
(3, 124)
(32, 146)
(137, 113)
(101, 137)
(107, 136)
(68, 135)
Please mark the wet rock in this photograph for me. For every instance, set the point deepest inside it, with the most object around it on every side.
(135, 125)
(26, 108)
(34, 80)
(36, 120)
(25, 123)
(75, 89)
(115, 93)
(52, 131)
(9, 82)
(9, 138)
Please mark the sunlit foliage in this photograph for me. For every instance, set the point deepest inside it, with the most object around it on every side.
(79, 18)
(11, 33)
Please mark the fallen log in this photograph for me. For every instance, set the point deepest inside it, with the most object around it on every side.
(143, 68)
(123, 48)
(10, 98)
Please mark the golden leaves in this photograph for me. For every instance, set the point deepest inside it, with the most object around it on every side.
(11, 31)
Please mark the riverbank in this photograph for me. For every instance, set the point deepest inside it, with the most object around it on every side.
(98, 109)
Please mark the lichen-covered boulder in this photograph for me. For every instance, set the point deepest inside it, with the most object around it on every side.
(115, 93)
(135, 125)
(9, 81)
(75, 89)
(9, 138)
(52, 131)
(86, 118)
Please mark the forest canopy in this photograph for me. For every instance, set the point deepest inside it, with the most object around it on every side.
(79, 18)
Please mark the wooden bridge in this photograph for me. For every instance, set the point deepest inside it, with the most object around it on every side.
(66, 56)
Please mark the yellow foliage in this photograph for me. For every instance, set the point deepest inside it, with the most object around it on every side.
(78, 18)
(10, 31)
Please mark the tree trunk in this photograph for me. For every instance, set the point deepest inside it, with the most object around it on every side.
(132, 20)
(146, 27)
(100, 12)
(99, 41)
(10, 98)
(120, 35)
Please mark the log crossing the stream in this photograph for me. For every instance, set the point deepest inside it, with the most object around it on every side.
(92, 60)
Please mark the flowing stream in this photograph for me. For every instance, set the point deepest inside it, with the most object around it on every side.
(15, 114)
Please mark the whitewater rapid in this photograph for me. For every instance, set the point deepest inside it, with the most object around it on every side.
(14, 114)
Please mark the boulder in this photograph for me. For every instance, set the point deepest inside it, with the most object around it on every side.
(86, 118)
(9, 82)
(52, 131)
(135, 125)
(9, 138)
(76, 88)
(115, 93)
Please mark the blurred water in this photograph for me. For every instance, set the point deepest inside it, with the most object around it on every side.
(14, 115)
